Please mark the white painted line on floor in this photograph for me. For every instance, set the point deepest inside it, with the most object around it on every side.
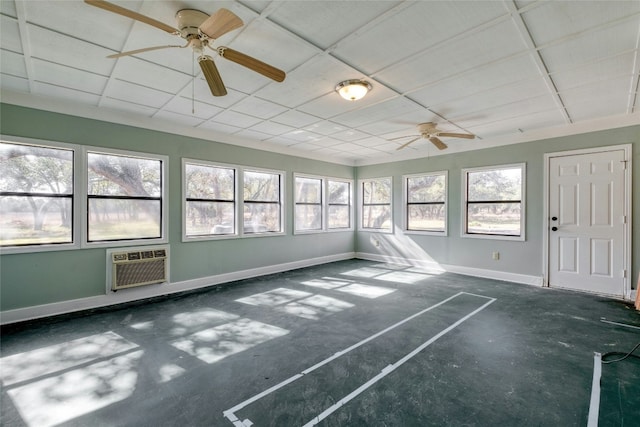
(594, 405)
(230, 413)
(626, 325)
(386, 371)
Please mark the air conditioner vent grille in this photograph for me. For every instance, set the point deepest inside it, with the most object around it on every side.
(138, 268)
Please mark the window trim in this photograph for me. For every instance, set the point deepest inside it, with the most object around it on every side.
(80, 194)
(463, 223)
(324, 183)
(349, 205)
(164, 202)
(405, 204)
(281, 202)
(236, 202)
(361, 206)
(76, 222)
(323, 200)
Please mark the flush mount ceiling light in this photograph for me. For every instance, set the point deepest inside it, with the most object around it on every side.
(352, 90)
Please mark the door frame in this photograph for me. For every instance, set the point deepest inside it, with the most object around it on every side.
(626, 148)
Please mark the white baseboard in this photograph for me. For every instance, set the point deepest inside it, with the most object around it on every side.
(135, 294)
(467, 271)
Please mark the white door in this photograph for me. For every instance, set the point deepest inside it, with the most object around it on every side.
(587, 222)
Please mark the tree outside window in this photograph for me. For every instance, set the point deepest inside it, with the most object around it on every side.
(494, 201)
(124, 197)
(426, 202)
(36, 195)
(210, 200)
(262, 204)
(376, 204)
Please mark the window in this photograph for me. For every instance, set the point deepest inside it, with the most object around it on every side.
(308, 203)
(262, 202)
(36, 195)
(376, 204)
(426, 209)
(494, 202)
(124, 197)
(322, 204)
(210, 193)
(339, 204)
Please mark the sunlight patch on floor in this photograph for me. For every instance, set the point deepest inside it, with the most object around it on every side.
(275, 297)
(59, 398)
(315, 307)
(192, 321)
(366, 291)
(214, 344)
(36, 363)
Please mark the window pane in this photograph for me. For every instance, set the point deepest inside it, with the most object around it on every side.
(495, 185)
(494, 218)
(32, 169)
(424, 189)
(308, 190)
(339, 216)
(426, 217)
(35, 220)
(376, 217)
(308, 217)
(261, 217)
(111, 175)
(207, 218)
(376, 191)
(339, 192)
(111, 219)
(261, 186)
(208, 182)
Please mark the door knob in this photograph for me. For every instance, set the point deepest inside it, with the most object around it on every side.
(554, 218)
(554, 228)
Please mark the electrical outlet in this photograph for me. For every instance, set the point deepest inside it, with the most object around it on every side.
(496, 256)
(376, 243)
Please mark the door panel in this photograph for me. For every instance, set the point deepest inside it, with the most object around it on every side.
(586, 196)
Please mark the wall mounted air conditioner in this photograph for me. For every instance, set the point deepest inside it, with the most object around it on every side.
(131, 268)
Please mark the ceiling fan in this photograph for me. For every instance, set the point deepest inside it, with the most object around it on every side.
(430, 131)
(199, 30)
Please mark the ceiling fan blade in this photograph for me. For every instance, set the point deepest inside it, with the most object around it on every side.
(402, 137)
(145, 49)
(131, 14)
(407, 143)
(251, 63)
(456, 135)
(439, 144)
(212, 76)
(220, 23)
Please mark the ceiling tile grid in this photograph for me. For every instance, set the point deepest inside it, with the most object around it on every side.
(497, 69)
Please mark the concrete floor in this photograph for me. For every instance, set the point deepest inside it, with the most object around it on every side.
(352, 343)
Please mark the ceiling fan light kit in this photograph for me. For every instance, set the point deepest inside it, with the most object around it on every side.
(353, 90)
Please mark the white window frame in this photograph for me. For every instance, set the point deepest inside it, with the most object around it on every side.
(164, 204)
(327, 205)
(240, 187)
(361, 206)
(324, 188)
(236, 193)
(80, 198)
(523, 196)
(77, 197)
(405, 204)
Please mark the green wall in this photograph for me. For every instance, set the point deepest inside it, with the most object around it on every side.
(47, 277)
(40, 278)
(515, 257)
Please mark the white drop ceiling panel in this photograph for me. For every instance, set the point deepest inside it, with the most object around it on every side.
(60, 75)
(499, 69)
(548, 22)
(10, 34)
(130, 92)
(12, 64)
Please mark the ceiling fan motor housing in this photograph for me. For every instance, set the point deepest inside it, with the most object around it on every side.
(188, 22)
